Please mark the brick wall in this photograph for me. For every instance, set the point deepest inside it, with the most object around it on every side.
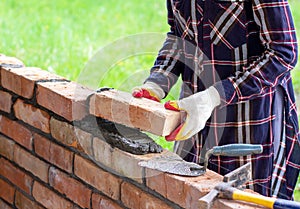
(48, 162)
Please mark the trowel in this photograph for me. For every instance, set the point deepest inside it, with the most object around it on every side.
(174, 164)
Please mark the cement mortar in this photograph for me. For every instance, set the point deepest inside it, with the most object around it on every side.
(127, 139)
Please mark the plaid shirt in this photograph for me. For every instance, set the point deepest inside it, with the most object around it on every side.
(246, 49)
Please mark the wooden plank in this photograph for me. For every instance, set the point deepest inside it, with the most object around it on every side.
(144, 114)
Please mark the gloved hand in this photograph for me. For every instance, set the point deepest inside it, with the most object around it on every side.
(198, 107)
(149, 90)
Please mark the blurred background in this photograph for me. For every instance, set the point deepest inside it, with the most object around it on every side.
(61, 36)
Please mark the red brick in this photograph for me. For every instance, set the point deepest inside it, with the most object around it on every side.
(6, 147)
(7, 192)
(184, 191)
(53, 153)
(15, 175)
(5, 101)
(176, 189)
(70, 187)
(102, 152)
(195, 187)
(155, 180)
(150, 202)
(96, 177)
(3, 205)
(31, 163)
(23, 202)
(64, 133)
(135, 198)
(48, 198)
(66, 99)
(101, 202)
(121, 107)
(85, 141)
(126, 164)
(32, 115)
(22, 80)
(23, 136)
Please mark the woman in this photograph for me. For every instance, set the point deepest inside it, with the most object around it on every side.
(235, 58)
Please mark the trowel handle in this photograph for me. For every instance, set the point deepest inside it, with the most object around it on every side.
(234, 150)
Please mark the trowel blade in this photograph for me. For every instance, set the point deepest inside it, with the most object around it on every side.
(174, 166)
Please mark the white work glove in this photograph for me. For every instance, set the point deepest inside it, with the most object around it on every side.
(149, 90)
(198, 108)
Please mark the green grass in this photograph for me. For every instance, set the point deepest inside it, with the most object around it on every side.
(61, 36)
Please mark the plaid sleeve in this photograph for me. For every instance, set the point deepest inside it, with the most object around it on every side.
(167, 67)
(277, 34)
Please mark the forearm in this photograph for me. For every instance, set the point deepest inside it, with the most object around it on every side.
(167, 67)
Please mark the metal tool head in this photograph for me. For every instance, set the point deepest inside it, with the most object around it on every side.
(174, 165)
(235, 178)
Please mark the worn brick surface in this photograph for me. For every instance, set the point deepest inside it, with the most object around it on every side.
(7, 192)
(53, 153)
(96, 177)
(31, 163)
(101, 202)
(102, 152)
(121, 107)
(126, 164)
(70, 187)
(197, 187)
(123, 163)
(33, 116)
(64, 133)
(4, 205)
(23, 202)
(5, 101)
(135, 198)
(66, 99)
(184, 191)
(10, 60)
(15, 175)
(23, 136)
(155, 180)
(22, 80)
(48, 198)
(6, 147)
(85, 141)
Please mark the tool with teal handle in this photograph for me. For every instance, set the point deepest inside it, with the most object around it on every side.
(233, 150)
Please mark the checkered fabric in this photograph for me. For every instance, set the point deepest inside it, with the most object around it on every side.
(246, 49)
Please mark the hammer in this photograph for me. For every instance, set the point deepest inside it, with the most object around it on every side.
(228, 189)
(235, 178)
(228, 192)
